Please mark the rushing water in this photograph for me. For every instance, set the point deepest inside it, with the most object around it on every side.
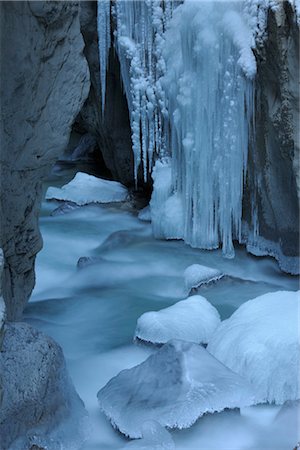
(92, 312)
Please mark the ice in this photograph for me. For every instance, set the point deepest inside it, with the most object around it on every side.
(145, 214)
(175, 386)
(155, 437)
(193, 319)
(85, 189)
(208, 88)
(196, 275)
(260, 341)
(104, 41)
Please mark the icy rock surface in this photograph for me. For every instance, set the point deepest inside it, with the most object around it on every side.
(39, 404)
(260, 341)
(155, 437)
(84, 189)
(145, 214)
(193, 319)
(2, 304)
(175, 386)
(195, 275)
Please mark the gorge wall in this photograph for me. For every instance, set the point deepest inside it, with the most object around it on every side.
(44, 83)
(273, 174)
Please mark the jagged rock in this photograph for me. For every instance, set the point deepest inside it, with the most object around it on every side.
(39, 405)
(44, 82)
(273, 168)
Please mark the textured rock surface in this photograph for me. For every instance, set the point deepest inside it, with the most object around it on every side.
(113, 130)
(44, 82)
(273, 178)
(39, 404)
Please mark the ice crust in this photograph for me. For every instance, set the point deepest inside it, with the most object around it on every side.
(155, 437)
(85, 189)
(261, 342)
(174, 386)
(193, 319)
(196, 275)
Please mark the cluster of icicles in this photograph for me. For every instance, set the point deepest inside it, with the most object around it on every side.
(187, 71)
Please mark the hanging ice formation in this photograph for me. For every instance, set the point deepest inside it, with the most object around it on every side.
(187, 70)
(104, 30)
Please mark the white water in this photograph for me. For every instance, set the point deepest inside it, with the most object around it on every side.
(92, 313)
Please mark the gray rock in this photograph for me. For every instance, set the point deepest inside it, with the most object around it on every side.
(273, 174)
(39, 405)
(44, 82)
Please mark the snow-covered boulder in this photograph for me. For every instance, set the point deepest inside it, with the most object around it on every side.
(174, 386)
(196, 275)
(155, 437)
(260, 341)
(193, 319)
(38, 403)
(84, 189)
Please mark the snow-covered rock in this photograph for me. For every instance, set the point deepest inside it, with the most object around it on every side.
(174, 386)
(193, 319)
(260, 341)
(195, 275)
(2, 304)
(155, 437)
(84, 189)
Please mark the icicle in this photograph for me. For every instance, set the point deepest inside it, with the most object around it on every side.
(103, 25)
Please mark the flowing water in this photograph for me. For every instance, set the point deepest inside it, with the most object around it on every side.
(91, 312)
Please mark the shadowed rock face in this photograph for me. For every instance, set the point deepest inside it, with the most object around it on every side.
(112, 131)
(273, 177)
(44, 82)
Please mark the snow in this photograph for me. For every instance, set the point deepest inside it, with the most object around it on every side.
(196, 275)
(260, 341)
(155, 437)
(174, 386)
(85, 189)
(193, 319)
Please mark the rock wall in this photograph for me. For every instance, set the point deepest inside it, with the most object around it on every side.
(273, 177)
(44, 83)
(112, 131)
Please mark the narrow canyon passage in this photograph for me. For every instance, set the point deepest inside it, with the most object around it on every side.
(92, 311)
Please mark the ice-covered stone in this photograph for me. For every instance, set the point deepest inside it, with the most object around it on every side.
(260, 341)
(38, 403)
(195, 275)
(174, 386)
(145, 214)
(85, 189)
(193, 319)
(155, 437)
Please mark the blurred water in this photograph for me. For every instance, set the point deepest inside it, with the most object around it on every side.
(92, 313)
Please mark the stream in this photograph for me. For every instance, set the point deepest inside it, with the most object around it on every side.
(92, 311)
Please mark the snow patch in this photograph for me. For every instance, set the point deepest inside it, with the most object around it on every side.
(174, 386)
(193, 319)
(85, 189)
(260, 341)
(196, 275)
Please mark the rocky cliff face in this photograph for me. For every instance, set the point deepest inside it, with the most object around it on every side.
(273, 181)
(112, 131)
(44, 83)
